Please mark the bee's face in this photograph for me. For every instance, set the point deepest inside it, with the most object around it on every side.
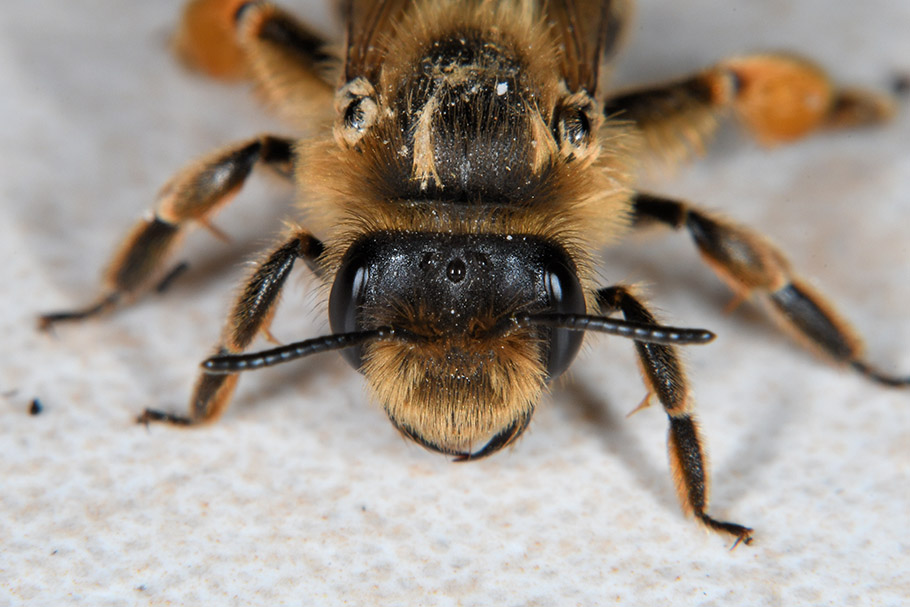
(456, 294)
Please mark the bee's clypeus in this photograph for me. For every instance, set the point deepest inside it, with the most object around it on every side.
(477, 164)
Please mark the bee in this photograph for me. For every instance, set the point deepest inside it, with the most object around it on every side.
(473, 165)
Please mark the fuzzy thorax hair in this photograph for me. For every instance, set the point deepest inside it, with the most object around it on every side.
(455, 135)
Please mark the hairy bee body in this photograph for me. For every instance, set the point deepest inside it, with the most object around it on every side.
(475, 165)
(463, 170)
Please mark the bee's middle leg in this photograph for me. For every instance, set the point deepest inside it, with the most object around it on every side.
(191, 196)
(752, 266)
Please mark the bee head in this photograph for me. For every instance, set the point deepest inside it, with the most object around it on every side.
(463, 379)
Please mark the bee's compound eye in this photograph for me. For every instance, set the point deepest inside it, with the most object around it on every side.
(565, 296)
(345, 302)
(564, 291)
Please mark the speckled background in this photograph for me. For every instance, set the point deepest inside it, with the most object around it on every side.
(304, 494)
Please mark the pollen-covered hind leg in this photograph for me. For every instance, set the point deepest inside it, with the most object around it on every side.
(206, 39)
(236, 39)
(193, 195)
(752, 266)
(665, 378)
(251, 314)
(777, 97)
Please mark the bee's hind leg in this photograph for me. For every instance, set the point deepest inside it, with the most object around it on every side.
(777, 97)
(291, 64)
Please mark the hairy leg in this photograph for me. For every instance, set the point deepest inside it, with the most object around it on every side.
(251, 314)
(777, 97)
(665, 378)
(233, 39)
(754, 268)
(190, 197)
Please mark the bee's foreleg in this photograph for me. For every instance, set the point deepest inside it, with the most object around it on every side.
(665, 378)
(251, 314)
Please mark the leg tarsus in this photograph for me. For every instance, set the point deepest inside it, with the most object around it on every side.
(176, 272)
(46, 322)
(154, 415)
(885, 379)
(741, 533)
(853, 108)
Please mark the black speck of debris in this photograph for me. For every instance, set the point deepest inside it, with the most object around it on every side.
(35, 408)
(901, 85)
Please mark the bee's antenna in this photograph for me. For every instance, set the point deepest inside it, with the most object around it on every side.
(233, 363)
(644, 332)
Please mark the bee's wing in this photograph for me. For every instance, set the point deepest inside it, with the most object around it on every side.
(589, 32)
(364, 20)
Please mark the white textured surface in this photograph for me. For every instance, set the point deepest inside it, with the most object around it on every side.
(304, 494)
